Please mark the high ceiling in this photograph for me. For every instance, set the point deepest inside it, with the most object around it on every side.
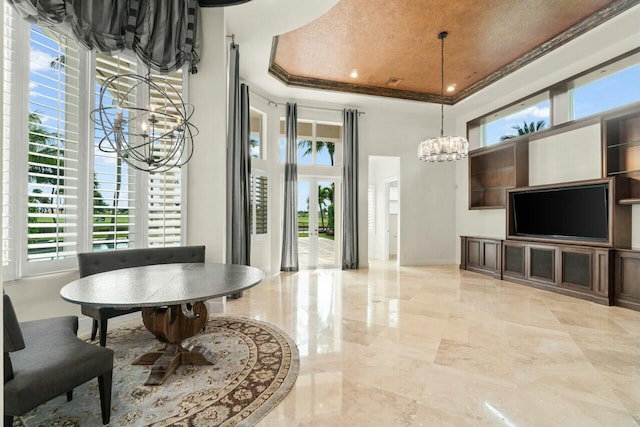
(393, 46)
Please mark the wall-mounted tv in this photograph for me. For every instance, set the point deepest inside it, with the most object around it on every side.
(578, 212)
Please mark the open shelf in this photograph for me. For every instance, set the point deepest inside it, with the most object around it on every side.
(621, 145)
(625, 144)
(629, 201)
(495, 169)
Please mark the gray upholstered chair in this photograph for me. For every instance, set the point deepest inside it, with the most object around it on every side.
(47, 360)
(98, 262)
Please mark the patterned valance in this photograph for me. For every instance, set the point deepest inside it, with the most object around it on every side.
(162, 33)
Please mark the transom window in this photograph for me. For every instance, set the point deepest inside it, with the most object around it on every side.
(526, 117)
(595, 91)
(604, 89)
(317, 144)
(257, 133)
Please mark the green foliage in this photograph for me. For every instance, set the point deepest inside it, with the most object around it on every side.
(525, 129)
(320, 146)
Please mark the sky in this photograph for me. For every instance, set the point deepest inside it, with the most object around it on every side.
(600, 95)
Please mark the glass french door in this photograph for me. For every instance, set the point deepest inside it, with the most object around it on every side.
(319, 220)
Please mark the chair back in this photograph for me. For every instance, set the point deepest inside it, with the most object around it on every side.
(13, 340)
(98, 262)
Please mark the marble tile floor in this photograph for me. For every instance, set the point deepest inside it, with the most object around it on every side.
(436, 346)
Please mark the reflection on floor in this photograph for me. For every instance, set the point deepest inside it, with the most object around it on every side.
(326, 251)
(436, 346)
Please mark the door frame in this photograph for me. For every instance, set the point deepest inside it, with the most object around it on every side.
(387, 203)
(314, 181)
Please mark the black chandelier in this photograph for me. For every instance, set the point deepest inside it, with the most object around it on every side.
(152, 138)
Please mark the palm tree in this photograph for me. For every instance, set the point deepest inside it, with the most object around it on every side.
(45, 166)
(525, 129)
(320, 145)
(324, 194)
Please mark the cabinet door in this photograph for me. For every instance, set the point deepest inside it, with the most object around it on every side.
(474, 253)
(542, 264)
(627, 288)
(514, 259)
(576, 268)
(603, 274)
(491, 255)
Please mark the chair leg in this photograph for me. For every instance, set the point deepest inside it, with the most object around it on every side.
(104, 386)
(70, 395)
(103, 332)
(8, 420)
(94, 329)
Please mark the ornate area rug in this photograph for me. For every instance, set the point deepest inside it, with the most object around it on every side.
(257, 366)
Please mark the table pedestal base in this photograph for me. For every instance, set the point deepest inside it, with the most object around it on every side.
(165, 361)
(172, 325)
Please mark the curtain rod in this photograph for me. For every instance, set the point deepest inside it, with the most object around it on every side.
(277, 104)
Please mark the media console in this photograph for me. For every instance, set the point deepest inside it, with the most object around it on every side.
(571, 238)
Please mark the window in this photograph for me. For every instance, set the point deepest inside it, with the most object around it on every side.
(259, 204)
(52, 157)
(9, 133)
(164, 224)
(525, 117)
(603, 88)
(257, 133)
(318, 143)
(606, 88)
(371, 208)
(113, 180)
(60, 195)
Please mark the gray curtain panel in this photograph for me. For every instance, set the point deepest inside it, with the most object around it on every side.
(238, 167)
(162, 33)
(350, 190)
(289, 260)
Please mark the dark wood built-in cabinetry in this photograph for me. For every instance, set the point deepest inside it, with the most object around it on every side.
(621, 151)
(493, 170)
(602, 269)
(580, 271)
(481, 255)
(627, 279)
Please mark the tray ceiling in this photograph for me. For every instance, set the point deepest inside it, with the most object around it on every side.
(393, 46)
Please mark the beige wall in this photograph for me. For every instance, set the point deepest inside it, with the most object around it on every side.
(207, 171)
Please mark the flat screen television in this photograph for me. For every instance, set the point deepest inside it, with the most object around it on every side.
(564, 213)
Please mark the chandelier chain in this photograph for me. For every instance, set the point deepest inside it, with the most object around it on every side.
(443, 148)
(442, 36)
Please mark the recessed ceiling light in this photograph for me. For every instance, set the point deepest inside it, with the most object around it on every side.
(451, 88)
(354, 74)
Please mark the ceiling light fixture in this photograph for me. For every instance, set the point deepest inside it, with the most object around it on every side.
(443, 148)
(354, 74)
(154, 137)
(451, 88)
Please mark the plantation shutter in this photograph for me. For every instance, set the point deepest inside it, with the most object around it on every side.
(113, 179)
(9, 56)
(259, 204)
(164, 188)
(52, 188)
